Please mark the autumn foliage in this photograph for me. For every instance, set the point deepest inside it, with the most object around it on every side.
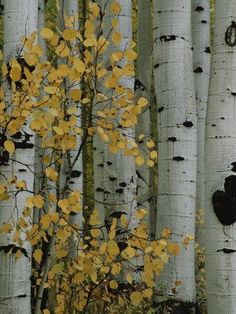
(41, 100)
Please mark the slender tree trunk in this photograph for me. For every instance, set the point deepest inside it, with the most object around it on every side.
(177, 131)
(20, 20)
(143, 88)
(70, 9)
(220, 165)
(39, 151)
(201, 68)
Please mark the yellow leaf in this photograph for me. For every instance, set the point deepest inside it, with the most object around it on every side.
(61, 253)
(94, 218)
(46, 33)
(116, 38)
(75, 94)
(69, 34)
(129, 278)
(63, 204)
(115, 8)
(21, 185)
(136, 298)
(139, 160)
(51, 173)
(150, 144)
(130, 55)
(2, 189)
(38, 255)
(113, 148)
(15, 74)
(141, 213)
(173, 248)
(50, 89)
(38, 201)
(93, 276)
(113, 248)
(45, 221)
(23, 223)
(95, 233)
(150, 163)
(9, 146)
(113, 284)
(142, 102)
(130, 252)
(6, 228)
(153, 154)
(166, 233)
(58, 130)
(147, 293)
(79, 65)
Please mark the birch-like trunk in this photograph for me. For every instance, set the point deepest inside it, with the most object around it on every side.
(143, 85)
(20, 20)
(121, 192)
(39, 151)
(177, 132)
(115, 174)
(220, 165)
(70, 9)
(201, 69)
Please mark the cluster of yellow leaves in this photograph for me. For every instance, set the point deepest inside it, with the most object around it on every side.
(46, 100)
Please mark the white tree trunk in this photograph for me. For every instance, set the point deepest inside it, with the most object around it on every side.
(201, 68)
(20, 20)
(39, 152)
(177, 132)
(121, 193)
(143, 85)
(116, 185)
(70, 9)
(220, 165)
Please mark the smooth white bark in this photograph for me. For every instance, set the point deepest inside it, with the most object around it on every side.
(201, 68)
(220, 154)
(116, 185)
(143, 85)
(177, 143)
(20, 20)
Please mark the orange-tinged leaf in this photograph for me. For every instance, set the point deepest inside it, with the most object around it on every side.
(173, 248)
(9, 146)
